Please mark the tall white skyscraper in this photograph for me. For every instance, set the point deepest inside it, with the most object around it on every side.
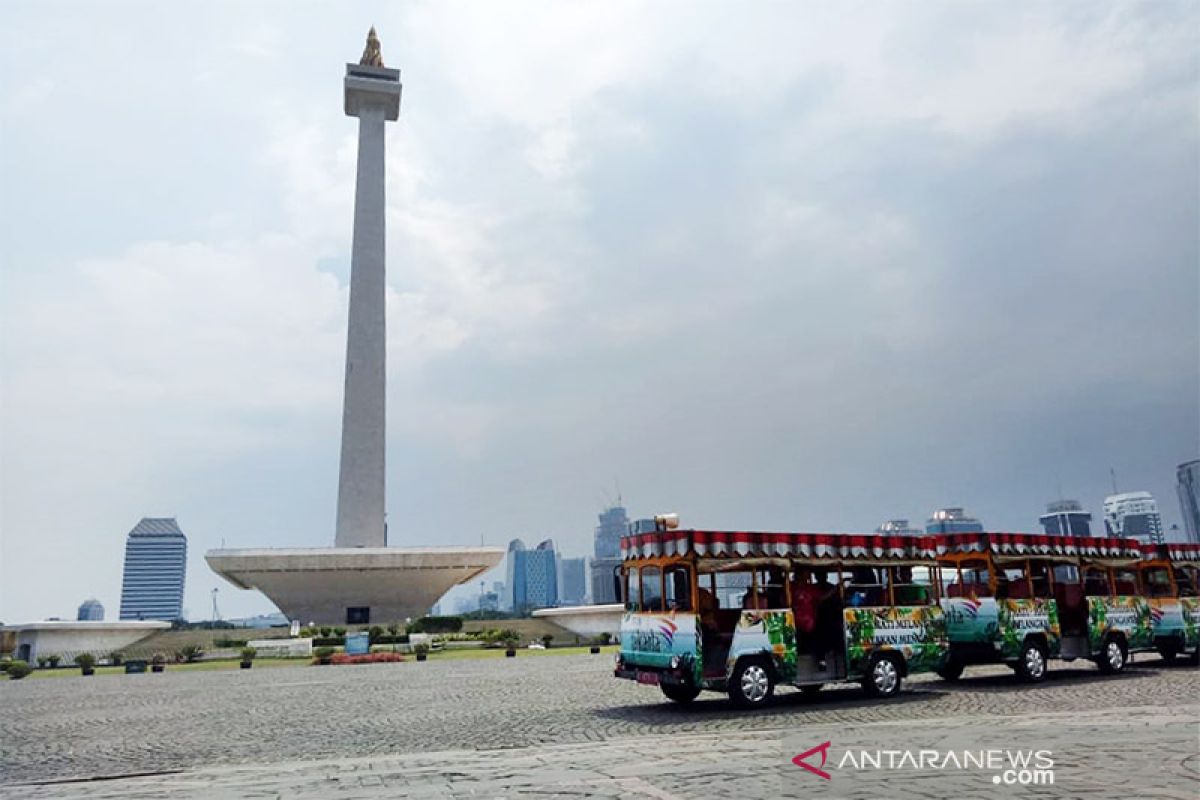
(1135, 515)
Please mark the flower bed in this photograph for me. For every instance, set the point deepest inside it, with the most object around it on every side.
(372, 658)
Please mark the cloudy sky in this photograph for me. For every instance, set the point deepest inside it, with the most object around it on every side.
(780, 268)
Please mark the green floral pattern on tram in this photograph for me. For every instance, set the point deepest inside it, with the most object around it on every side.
(1020, 618)
(1129, 615)
(770, 631)
(1190, 607)
(917, 632)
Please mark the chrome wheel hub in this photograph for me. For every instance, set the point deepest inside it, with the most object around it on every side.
(885, 676)
(755, 683)
(1116, 659)
(1035, 664)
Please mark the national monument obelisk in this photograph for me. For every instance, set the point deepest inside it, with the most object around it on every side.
(372, 94)
(360, 580)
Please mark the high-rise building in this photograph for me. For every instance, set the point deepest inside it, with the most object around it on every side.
(952, 520)
(572, 581)
(614, 523)
(1188, 475)
(898, 527)
(90, 610)
(532, 576)
(155, 566)
(1066, 518)
(1135, 515)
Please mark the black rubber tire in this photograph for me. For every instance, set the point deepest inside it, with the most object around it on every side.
(952, 670)
(679, 694)
(1111, 665)
(1031, 663)
(883, 677)
(752, 684)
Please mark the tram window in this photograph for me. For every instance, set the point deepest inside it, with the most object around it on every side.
(1156, 582)
(770, 591)
(1125, 581)
(1039, 574)
(906, 590)
(866, 587)
(1066, 573)
(632, 590)
(732, 589)
(1095, 582)
(1012, 583)
(678, 586)
(974, 582)
(1186, 580)
(652, 599)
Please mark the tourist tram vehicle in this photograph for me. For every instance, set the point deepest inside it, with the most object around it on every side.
(744, 612)
(1168, 575)
(1021, 599)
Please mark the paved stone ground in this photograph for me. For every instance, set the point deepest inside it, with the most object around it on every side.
(561, 726)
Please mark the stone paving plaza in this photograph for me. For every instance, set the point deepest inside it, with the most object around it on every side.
(561, 726)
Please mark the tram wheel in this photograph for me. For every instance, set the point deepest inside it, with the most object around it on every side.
(680, 694)
(752, 684)
(1031, 664)
(952, 670)
(1112, 656)
(882, 678)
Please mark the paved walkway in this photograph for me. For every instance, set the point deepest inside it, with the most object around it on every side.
(561, 726)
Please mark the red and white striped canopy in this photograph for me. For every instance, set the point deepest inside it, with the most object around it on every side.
(1033, 544)
(1175, 551)
(749, 544)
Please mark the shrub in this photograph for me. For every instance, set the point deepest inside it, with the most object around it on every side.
(339, 632)
(85, 660)
(546, 640)
(42, 662)
(436, 625)
(394, 629)
(54, 660)
(158, 658)
(323, 655)
(326, 631)
(5, 663)
(248, 653)
(421, 647)
(375, 633)
(18, 669)
(371, 658)
(605, 637)
(191, 653)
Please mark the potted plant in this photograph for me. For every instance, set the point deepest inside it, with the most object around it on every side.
(18, 669)
(54, 659)
(87, 663)
(158, 662)
(42, 662)
(546, 640)
(248, 654)
(510, 646)
(191, 653)
(422, 650)
(324, 654)
(595, 648)
(115, 658)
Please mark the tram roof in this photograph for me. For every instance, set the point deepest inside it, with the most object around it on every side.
(1179, 552)
(871, 546)
(758, 544)
(1036, 544)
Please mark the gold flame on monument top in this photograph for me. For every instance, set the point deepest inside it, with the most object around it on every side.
(372, 56)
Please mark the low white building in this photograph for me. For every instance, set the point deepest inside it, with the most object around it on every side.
(69, 638)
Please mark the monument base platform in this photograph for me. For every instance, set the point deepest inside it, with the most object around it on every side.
(353, 585)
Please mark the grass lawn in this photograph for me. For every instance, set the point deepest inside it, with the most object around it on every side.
(446, 655)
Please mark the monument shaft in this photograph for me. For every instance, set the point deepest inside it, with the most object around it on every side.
(372, 95)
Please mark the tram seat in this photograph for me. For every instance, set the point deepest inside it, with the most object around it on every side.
(1018, 590)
